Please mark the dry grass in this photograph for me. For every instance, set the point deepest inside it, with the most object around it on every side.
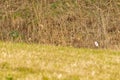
(19, 61)
(77, 23)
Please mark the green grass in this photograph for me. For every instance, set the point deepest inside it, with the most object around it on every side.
(20, 61)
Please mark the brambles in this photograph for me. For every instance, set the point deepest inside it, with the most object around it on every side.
(64, 22)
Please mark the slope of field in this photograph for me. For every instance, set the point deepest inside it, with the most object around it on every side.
(19, 61)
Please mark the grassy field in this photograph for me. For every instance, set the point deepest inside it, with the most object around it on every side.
(20, 61)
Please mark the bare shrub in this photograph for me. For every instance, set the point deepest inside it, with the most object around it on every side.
(77, 23)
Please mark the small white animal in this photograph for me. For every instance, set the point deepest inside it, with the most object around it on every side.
(96, 44)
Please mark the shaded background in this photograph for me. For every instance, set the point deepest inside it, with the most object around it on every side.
(77, 23)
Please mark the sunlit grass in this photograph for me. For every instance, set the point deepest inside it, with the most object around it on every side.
(20, 61)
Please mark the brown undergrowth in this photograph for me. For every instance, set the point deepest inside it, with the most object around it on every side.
(77, 23)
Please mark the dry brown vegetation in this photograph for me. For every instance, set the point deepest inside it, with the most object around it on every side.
(77, 23)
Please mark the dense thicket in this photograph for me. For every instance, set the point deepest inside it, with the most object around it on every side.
(77, 23)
